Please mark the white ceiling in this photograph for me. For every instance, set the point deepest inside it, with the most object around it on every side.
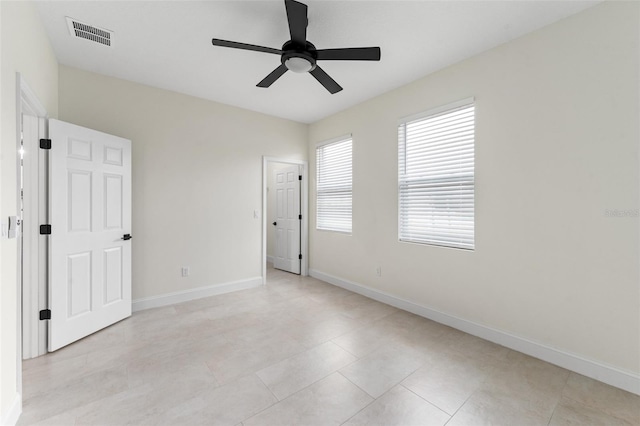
(167, 44)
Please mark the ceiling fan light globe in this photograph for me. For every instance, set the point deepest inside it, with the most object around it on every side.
(299, 65)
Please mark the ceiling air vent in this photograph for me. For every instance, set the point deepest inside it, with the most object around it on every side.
(89, 32)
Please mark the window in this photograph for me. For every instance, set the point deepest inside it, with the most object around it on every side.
(333, 186)
(436, 177)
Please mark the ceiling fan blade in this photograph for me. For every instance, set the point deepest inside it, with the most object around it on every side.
(350, 54)
(297, 17)
(273, 76)
(236, 45)
(324, 79)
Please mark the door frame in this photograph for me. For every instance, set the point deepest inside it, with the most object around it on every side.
(32, 334)
(304, 209)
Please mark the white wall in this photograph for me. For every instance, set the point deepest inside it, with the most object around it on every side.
(24, 48)
(197, 177)
(557, 130)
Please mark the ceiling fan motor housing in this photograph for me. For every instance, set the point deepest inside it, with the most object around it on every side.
(293, 56)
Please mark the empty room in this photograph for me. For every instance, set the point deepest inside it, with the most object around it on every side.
(287, 212)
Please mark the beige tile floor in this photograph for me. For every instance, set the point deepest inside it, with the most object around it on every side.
(302, 352)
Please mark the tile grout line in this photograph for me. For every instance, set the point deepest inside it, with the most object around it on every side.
(311, 384)
(278, 401)
(462, 405)
(265, 408)
(425, 400)
(346, 350)
(363, 408)
(350, 381)
(484, 380)
(555, 407)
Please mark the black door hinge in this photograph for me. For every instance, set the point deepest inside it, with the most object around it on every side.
(300, 217)
(45, 314)
(300, 256)
(299, 177)
(45, 229)
(45, 143)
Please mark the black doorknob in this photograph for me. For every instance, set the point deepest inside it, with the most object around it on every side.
(126, 237)
(274, 223)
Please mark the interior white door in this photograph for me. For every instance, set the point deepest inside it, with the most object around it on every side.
(288, 219)
(90, 213)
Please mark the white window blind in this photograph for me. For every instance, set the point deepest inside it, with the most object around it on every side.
(436, 178)
(333, 186)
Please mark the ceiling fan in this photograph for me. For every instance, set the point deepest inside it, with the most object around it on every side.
(299, 55)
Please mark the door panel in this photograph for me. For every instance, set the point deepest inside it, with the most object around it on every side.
(79, 201)
(113, 275)
(90, 211)
(288, 220)
(113, 201)
(79, 283)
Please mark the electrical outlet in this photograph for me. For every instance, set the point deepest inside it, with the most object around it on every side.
(185, 271)
(379, 271)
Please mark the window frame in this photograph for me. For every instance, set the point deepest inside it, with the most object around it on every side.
(423, 116)
(318, 146)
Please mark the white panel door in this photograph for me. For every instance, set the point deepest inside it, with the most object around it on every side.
(288, 220)
(90, 213)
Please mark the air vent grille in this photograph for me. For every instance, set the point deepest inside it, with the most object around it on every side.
(89, 32)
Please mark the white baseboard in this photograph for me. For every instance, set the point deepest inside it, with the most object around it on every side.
(12, 416)
(270, 259)
(621, 379)
(194, 293)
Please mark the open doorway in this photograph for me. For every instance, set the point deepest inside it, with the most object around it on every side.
(284, 212)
